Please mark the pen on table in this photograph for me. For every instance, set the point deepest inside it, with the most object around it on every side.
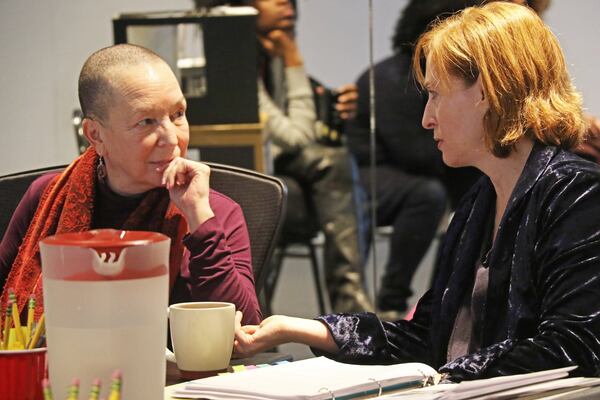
(73, 391)
(95, 390)
(40, 327)
(115, 386)
(30, 312)
(47, 389)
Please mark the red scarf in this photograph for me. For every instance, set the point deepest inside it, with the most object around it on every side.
(67, 205)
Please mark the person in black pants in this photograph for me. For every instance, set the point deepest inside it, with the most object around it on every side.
(413, 187)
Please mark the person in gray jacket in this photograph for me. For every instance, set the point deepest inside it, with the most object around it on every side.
(325, 173)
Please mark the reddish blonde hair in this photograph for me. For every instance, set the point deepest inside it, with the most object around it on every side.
(522, 69)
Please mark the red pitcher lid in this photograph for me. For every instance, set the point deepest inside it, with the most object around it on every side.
(105, 238)
(107, 259)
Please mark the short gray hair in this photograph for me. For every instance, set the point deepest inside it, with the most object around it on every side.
(94, 86)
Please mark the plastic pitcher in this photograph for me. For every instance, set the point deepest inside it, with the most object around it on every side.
(105, 295)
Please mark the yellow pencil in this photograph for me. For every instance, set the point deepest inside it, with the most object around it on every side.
(30, 312)
(95, 390)
(47, 389)
(2, 336)
(16, 318)
(3, 333)
(73, 391)
(39, 329)
(115, 386)
(7, 323)
(17, 323)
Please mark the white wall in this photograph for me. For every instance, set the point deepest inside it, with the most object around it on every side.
(574, 22)
(334, 36)
(44, 43)
(335, 43)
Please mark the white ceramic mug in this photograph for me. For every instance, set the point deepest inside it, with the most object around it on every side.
(202, 335)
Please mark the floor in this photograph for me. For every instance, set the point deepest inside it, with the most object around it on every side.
(290, 297)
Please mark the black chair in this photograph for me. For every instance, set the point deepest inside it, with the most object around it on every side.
(298, 235)
(263, 200)
(261, 197)
(12, 189)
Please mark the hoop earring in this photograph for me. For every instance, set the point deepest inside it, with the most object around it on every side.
(101, 169)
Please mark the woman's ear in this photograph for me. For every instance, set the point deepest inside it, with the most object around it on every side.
(91, 131)
(483, 97)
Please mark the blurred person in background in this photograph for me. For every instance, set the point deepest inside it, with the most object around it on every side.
(413, 187)
(324, 173)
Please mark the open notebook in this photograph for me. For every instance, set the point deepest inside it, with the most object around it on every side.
(312, 379)
(322, 378)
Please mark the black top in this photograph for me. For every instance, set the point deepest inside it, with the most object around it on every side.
(542, 301)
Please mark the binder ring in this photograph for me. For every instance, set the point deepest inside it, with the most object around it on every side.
(324, 389)
(427, 380)
(379, 385)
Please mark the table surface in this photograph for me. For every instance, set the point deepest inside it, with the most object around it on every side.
(175, 376)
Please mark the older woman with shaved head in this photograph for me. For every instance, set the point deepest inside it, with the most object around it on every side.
(135, 176)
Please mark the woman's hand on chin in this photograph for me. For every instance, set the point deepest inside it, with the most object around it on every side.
(188, 185)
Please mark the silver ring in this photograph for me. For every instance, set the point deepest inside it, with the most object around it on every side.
(324, 389)
(378, 384)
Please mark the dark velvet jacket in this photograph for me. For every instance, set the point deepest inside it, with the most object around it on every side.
(543, 301)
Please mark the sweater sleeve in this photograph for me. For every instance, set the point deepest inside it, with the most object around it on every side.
(362, 338)
(219, 267)
(293, 127)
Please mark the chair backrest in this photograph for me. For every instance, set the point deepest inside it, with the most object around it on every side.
(12, 189)
(261, 197)
(263, 200)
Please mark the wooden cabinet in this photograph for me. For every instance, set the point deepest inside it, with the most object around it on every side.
(234, 144)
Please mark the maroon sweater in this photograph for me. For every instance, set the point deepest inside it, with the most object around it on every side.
(216, 265)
